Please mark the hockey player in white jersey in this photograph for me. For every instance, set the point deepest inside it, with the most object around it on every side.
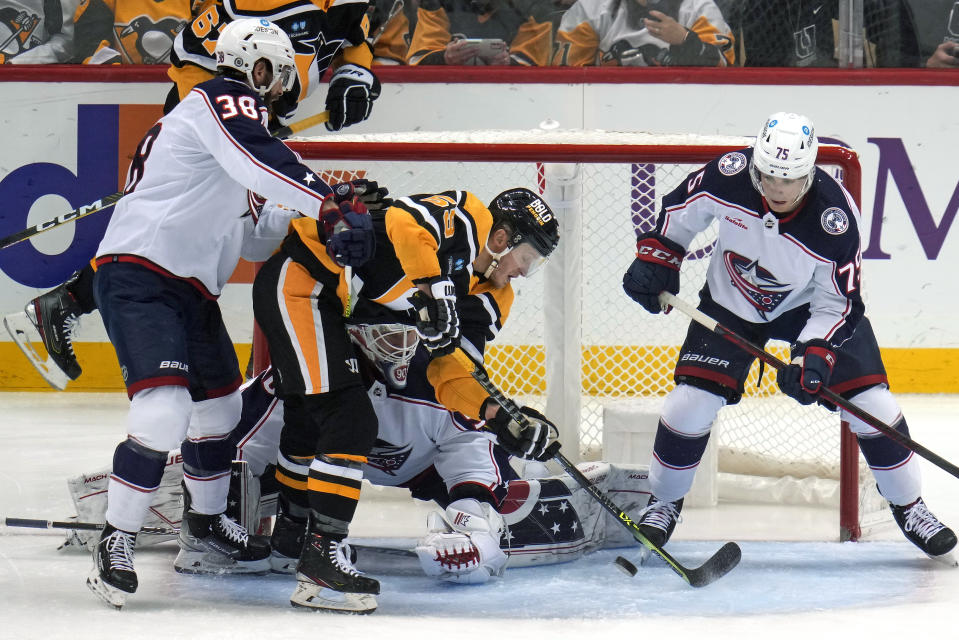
(786, 266)
(173, 241)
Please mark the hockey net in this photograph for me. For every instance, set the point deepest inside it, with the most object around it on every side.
(575, 345)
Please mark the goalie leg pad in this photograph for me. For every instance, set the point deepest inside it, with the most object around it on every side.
(464, 546)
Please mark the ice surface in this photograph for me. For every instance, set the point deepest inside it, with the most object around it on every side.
(790, 584)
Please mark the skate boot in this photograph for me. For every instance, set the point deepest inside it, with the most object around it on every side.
(327, 580)
(56, 314)
(215, 544)
(286, 542)
(113, 576)
(659, 518)
(924, 530)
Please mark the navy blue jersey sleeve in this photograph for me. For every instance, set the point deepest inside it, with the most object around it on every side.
(241, 143)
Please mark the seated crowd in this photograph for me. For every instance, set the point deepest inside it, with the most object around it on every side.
(760, 33)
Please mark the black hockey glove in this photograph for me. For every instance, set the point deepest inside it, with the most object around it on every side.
(808, 372)
(350, 96)
(348, 230)
(369, 192)
(437, 322)
(654, 270)
(536, 441)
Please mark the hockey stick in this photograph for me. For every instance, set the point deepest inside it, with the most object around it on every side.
(30, 523)
(81, 212)
(718, 565)
(300, 125)
(108, 201)
(668, 299)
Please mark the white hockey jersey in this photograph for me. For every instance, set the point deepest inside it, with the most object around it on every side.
(186, 191)
(763, 266)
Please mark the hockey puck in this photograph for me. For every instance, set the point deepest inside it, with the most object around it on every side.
(625, 566)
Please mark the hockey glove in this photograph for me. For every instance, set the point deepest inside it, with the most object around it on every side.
(536, 441)
(348, 230)
(369, 192)
(350, 97)
(655, 269)
(808, 372)
(437, 322)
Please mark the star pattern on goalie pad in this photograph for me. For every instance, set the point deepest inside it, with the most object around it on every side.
(309, 178)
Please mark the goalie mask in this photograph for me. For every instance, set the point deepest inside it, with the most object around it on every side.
(533, 228)
(785, 148)
(385, 341)
(242, 42)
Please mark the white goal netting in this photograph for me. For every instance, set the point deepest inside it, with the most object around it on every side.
(575, 345)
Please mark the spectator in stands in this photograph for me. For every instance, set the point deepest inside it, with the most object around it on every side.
(938, 26)
(651, 33)
(36, 31)
(128, 32)
(513, 32)
(798, 33)
(391, 29)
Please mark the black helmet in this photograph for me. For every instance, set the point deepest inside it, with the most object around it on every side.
(529, 217)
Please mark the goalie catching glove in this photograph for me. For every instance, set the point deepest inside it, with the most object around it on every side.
(350, 97)
(464, 546)
(348, 230)
(535, 441)
(437, 322)
(810, 368)
(654, 270)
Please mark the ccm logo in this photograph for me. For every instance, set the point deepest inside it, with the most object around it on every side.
(695, 357)
(174, 364)
(659, 255)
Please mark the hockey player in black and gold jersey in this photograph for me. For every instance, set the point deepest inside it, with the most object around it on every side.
(431, 250)
(325, 33)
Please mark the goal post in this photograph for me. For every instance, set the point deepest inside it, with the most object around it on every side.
(574, 344)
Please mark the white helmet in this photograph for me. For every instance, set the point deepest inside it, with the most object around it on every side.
(390, 347)
(242, 42)
(785, 148)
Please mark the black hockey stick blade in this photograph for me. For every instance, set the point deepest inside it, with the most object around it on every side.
(101, 204)
(668, 299)
(31, 523)
(718, 565)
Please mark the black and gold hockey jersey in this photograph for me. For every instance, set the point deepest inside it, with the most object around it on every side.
(524, 26)
(613, 32)
(324, 33)
(129, 32)
(418, 238)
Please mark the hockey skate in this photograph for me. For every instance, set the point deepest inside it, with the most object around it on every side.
(56, 316)
(113, 576)
(28, 339)
(659, 518)
(286, 542)
(328, 581)
(215, 544)
(925, 531)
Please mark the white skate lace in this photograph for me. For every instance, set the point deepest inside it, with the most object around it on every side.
(920, 521)
(660, 514)
(71, 324)
(340, 555)
(232, 531)
(120, 548)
